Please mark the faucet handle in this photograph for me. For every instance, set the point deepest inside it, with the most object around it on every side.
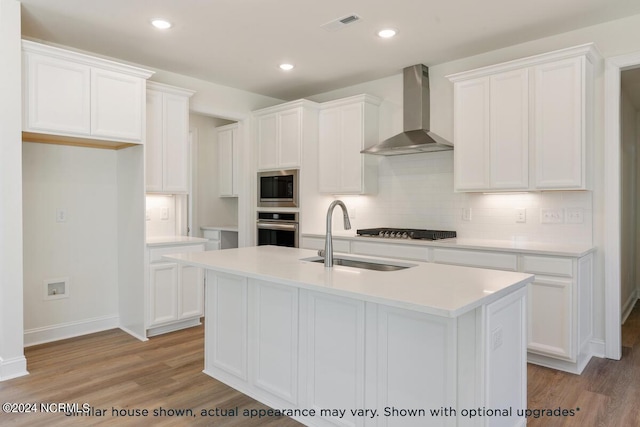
(321, 253)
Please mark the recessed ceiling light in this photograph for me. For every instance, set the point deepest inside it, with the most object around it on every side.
(286, 67)
(161, 24)
(387, 33)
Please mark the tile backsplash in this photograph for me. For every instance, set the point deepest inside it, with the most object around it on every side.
(416, 191)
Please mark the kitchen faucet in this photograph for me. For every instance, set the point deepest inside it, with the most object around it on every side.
(328, 240)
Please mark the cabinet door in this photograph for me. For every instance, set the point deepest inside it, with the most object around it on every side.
(163, 289)
(225, 162)
(329, 164)
(550, 314)
(559, 126)
(509, 145)
(351, 142)
(267, 141)
(471, 134)
(191, 291)
(226, 324)
(274, 344)
(290, 138)
(335, 355)
(57, 95)
(153, 142)
(116, 105)
(176, 143)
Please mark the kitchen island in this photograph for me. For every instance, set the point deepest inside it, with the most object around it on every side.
(425, 345)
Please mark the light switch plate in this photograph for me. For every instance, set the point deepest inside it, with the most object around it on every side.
(574, 215)
(61, 215)
(164, 213)
(551, 216)
(466, 214)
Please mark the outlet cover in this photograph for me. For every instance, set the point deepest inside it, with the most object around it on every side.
(574, 215)
(164, 213)
(521, 215)
(61, 215)
(551, 216)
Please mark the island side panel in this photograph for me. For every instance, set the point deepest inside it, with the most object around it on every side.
(505, 342)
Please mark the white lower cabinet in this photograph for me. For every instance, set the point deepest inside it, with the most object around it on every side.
(298, 349)
(335, 339)
(175, 292)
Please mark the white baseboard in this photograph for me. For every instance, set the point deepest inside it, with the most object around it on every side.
(69, 330)
(184, 324)
(133, 334)
(628, 305)
(13, 368)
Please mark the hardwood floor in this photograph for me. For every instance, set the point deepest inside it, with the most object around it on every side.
(113, 370)
(607, 392)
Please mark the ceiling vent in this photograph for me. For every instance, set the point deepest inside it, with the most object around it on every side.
(340, 23)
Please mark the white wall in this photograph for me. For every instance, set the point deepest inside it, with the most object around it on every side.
(629, 199)
(84, 248)
(12, 361)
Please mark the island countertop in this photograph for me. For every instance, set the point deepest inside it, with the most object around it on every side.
(443, 290)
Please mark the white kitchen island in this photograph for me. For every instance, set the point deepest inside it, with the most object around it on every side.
(429, 345)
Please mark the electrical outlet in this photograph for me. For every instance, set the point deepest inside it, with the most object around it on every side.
(164, 213)
(574, 215)
(496, 338)
(466, 214)
(551, 216)
(521, 215)
(61, 215)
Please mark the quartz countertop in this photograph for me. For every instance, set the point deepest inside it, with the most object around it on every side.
(174, 240)
(220, 227)
(443, 290)
(556, 249)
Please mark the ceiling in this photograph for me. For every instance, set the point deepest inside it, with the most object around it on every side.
(240, 43)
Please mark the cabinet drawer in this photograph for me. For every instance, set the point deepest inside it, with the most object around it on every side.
(499, 261)
(155, 254)
(547, 265)
(387, 250)
(211, 234)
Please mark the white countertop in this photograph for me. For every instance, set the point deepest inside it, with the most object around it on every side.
(174, 240)
(570, 250)
(439, 289)
(220, 227)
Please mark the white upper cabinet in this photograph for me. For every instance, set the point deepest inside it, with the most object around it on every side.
(167, 140)
(525, 124)
(561, 105)
(281, 132)
(75, 95)
(228, 160)
(348, 126)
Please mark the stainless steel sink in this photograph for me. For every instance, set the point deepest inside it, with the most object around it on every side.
(368, 264)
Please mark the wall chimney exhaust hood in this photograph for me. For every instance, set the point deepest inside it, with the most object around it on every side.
(416, 138)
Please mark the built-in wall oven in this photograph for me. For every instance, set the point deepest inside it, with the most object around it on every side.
(278, 188)
(277, 228)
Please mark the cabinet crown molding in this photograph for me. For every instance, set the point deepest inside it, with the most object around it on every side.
(286, 106)
(366, 98)
(86, 59)
(587, 50)
(165, 88)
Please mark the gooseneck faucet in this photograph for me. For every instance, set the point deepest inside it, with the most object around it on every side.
(328, 240)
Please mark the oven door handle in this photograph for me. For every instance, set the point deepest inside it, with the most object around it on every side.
(275, 226)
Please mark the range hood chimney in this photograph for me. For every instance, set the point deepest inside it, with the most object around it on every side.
(416, 138)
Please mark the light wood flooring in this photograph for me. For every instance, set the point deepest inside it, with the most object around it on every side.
(113, 370)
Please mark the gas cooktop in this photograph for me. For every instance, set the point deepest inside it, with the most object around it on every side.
(406, 233)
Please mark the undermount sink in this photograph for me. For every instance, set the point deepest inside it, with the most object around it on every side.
(368, 264)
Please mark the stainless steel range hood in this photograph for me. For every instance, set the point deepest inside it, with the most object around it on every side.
(416, 138)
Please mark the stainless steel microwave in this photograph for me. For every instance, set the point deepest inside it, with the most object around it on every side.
(278, 188)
